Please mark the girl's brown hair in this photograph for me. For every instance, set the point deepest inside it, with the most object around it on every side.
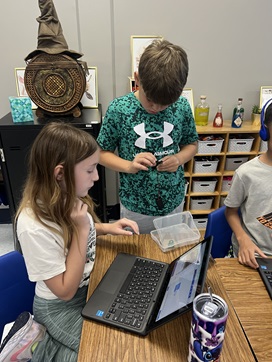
(57, 144)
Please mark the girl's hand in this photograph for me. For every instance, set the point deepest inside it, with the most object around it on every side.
(79, 214)
(120, 227)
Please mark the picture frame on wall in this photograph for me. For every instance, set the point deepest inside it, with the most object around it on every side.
(265, 95)
(138, 43)
(188, 94)
(20, 85)
(90, 96)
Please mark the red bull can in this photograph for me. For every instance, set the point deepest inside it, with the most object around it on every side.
(209, 318)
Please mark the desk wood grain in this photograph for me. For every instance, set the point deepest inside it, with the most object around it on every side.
(251, 302)
(167, 343)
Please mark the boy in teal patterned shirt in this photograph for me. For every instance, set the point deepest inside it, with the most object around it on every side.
(154, 132)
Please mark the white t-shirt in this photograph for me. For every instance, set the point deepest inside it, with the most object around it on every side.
(44, 252)
(251, 191)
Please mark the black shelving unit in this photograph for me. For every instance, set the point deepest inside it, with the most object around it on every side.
(4, 207)
(16, 140)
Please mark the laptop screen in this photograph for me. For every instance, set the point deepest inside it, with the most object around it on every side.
(184, 282)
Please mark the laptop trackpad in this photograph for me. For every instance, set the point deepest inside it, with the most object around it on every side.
(112, 281)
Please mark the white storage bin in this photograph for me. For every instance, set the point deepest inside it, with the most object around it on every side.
(201, 223)
(232, 163)
(186, 187)
(211, 146)
(226, 184)
(204, 185)
(240, 144)
(222, 200)
(263, 146)
(204, 203)
(203, 166)
(173, 231)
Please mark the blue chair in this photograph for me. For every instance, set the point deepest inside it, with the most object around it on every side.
(16, 290)
(218, 226)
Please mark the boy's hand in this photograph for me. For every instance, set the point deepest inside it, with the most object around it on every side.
(247, 251)
(142, 162)
(169, 164)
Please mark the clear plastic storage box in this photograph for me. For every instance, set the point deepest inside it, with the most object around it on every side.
(173, 231)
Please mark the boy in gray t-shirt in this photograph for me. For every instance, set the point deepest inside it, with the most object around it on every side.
(251, 191)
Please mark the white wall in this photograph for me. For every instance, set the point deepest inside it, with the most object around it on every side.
(227, 42)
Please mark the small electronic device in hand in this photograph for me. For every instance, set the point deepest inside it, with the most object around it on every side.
(158, 162)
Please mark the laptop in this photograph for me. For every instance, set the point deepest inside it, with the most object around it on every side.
(139, 294)
(265, 271)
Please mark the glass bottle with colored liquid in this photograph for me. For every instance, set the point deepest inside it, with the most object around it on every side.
(202, 112)
(218, 119)
(238, 115)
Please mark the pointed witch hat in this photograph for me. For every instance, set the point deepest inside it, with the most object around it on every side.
(50, 36)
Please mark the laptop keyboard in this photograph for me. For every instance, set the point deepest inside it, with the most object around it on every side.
(268, 281)
(135, 296)
(265, 270)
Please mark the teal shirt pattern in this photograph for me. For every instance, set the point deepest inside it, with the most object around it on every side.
(128, 128)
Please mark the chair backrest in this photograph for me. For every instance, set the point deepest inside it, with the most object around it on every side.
(16, 290)
(218, 226)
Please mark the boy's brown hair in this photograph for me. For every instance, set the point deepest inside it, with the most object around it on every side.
(163, 71)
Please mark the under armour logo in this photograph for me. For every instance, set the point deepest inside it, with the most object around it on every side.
(153, 135)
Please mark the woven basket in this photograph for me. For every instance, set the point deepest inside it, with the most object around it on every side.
(55, 82)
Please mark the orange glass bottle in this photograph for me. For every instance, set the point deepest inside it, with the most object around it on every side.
(218, 119)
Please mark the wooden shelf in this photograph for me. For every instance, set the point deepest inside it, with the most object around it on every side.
(227, 133)
(247, 127)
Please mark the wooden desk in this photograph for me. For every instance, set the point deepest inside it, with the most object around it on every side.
(167, 343)
(252, 304)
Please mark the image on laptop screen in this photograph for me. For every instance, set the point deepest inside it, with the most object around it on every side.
(182, 286)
